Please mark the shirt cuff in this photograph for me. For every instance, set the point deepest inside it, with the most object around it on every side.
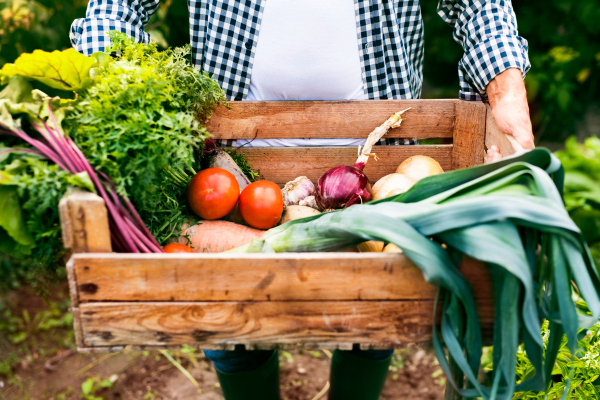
(487, 59)
(88, 35)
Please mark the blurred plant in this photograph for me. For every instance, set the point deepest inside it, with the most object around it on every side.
(26, 25)
(91, 385)
(583, 369)
(564, 52)
(582, 188)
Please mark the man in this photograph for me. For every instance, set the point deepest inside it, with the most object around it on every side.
(331, 50)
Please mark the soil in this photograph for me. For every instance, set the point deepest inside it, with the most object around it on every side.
(46, 366)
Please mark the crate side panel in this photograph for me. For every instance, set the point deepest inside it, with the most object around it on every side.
(392, 322)
(283, 164)
(469, 134)
(331, 119)
(281, 277)
(382, 324)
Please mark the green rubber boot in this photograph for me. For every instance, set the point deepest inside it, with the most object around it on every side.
(356, 378)
(259, 384)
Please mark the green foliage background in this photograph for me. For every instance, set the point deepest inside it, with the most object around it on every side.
(563, 46)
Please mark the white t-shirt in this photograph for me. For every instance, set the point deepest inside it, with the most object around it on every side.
(307, 50)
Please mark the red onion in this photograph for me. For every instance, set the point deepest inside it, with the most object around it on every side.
(341, 187)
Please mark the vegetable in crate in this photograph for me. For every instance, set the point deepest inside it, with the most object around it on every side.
(409, 172)
(297, 190)
(261, 204)
(217, 236)
(143, 117)
(219, 158)
(418, 167)
(213, 193)
(291, 213)
(134, 120)
(391, 185)
(177, 248)
(341, 187)
(508, 214)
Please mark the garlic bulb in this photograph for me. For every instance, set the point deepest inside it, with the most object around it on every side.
(416, 168)
(391, 185)
(309, 201)
(296, 190)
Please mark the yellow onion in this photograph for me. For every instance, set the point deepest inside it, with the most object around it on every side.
(391, 185)
(372, 246)
(416, 168)
(392, 248)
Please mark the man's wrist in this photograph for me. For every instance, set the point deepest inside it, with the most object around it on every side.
(507, 85)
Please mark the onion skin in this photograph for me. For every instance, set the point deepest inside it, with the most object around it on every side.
(392, 248)
(372, 246)
(341, 187)
(391, 185)
(418, 167)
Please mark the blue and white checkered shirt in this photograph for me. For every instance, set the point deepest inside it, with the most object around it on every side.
(224, 34)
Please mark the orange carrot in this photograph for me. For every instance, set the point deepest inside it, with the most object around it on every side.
(218, 236)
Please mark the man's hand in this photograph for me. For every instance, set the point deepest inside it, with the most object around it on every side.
(508, 99)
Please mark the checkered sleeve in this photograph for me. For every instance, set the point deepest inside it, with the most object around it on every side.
(88, 35)
(487, 31)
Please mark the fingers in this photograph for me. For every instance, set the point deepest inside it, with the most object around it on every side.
(525, 140)
(493, 154)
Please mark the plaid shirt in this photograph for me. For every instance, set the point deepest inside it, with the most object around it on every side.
(224, 34)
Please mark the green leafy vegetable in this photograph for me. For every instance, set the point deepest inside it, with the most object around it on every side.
(15, 239)
(140, 118)
(135, 117)
(241, 162)
(63, 70)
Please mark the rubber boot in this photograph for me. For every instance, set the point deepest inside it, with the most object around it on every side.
(356, 378)
(259, 384)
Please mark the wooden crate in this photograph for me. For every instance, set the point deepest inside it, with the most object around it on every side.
(315, 300)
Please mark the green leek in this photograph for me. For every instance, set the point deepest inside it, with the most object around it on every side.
(509, 214)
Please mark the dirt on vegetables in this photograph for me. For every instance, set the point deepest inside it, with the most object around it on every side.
(38, 361)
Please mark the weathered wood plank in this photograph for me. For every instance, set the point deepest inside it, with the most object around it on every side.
(330, 119)
(469, 134)
(230, 346)
(77, 326)
(84, 223)
(259, 277)
(282, 165)
(507, 144)
(380, 323)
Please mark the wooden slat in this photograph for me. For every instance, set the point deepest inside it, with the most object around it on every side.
(469, 134)
(84, 222)
(259, 277)
(77, 326)
(379, 323)
(330, 119)
(282, 165)
(507, 144)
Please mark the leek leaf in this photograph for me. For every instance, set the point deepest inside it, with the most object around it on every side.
(509, 214)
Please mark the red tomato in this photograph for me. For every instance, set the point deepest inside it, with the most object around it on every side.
(261, 204)
(213, 193)
(177, 248)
